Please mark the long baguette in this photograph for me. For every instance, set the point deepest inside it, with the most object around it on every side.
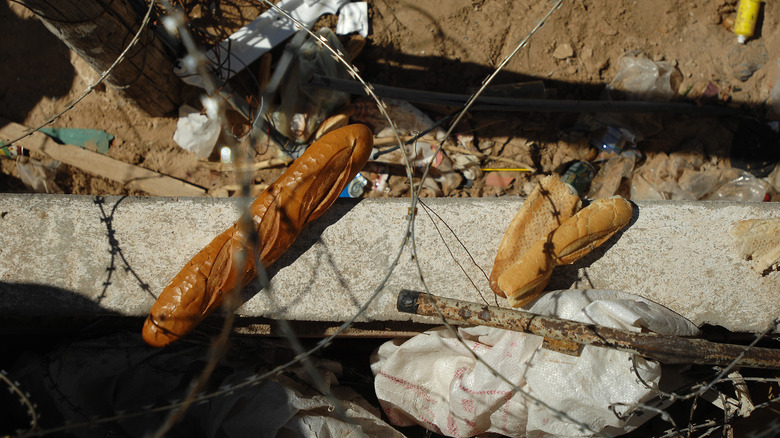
(300, 195)
(550, 204)
(576, 237)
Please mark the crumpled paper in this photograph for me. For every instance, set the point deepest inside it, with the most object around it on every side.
(433, 379)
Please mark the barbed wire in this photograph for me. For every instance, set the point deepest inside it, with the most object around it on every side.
(302, 356)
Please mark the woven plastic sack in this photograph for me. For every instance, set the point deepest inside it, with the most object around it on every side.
(434, 380)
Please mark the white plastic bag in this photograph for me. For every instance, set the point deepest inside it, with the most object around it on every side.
(433, 380)
(196, 132)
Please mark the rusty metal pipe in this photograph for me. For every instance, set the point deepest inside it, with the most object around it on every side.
(663, 348)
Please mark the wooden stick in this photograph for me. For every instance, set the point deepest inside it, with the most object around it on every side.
(489, 157)
(265, 164)
(663, 348)
(128, 175)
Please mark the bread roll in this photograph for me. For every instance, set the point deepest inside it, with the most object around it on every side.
(550, 204)
(590, 227)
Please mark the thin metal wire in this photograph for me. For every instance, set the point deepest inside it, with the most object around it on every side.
(301, 355)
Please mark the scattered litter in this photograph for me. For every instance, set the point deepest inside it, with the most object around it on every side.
(91, 139)
(611, 143)
(38, 176)
(611, 174)
(196, 132)
(744, 60)
(11, 152)
(356, 188)
(685, 176)
(433, 380)
(759, 240)
(468, 165)
(257, 38)
(353, 17)
(422, 153)
(744, 187)
(380, 183)
(640, 78)
(498, 180)
(579, 175)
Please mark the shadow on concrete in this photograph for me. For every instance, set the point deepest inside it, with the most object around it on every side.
(310, 236)
(567, 275)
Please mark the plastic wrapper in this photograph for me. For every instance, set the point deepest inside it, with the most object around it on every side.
(610, 175)
(38, 176)
(640, 78)
(685, 176)
(657, 178)
(744, 187)
(698, 184)
(434, 380)
(196, 132)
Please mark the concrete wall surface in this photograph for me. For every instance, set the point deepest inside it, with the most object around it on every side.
(76, 255)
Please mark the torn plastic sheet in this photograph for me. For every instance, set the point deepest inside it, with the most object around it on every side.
(433, 379)
(353, 17)
(196, 132)
(255, 39)
(83, 138)
(102, 377)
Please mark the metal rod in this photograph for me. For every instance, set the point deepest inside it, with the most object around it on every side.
(663, 348)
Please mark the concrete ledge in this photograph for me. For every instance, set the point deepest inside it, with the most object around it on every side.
(77, 255)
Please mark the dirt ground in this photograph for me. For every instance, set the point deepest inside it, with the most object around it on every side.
(452, 46)
(448, 47)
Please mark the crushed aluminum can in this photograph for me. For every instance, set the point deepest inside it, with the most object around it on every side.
(355, 188)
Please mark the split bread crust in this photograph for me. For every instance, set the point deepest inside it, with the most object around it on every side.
(544, 240)
(299, 196)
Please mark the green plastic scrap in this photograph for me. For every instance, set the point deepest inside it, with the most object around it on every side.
(92, 139)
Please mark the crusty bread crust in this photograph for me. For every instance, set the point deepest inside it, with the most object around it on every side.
(550, 204)
(587, 229)
(300, 195)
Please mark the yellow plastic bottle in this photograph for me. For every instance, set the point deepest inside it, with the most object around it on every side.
(747, 15)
